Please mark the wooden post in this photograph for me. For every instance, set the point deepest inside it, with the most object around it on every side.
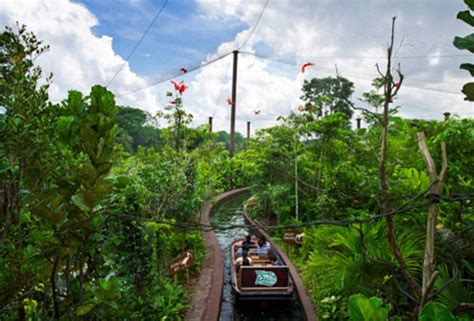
(446, 115)
(210, 124)
(234, 104)
(248, 130)
(358, 122)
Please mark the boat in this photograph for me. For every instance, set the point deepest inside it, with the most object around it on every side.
(263, 279)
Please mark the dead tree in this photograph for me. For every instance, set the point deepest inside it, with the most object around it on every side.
(391, 89)
(437, 184)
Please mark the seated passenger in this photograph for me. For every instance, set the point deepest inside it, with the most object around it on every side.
(244, 260)
(274, 259)
(248, 242)
(262, 247)
(241, 249)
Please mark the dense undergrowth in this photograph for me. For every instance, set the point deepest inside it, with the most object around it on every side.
(338, 180)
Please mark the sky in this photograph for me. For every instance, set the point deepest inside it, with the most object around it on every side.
(91, 40)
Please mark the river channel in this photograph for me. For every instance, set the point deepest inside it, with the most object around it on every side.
(230, 212)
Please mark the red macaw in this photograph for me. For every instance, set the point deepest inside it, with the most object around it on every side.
(183, 70)
(229, 101)
(308, 64)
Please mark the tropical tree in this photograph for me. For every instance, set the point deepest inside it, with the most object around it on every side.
(328, 95)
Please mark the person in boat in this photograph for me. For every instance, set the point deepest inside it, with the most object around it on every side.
(262, 246)
(247, 242)
(274, 259)
(244, 260)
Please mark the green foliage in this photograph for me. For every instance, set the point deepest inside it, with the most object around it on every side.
(137, 128)
(434, 311)
(467, 43)
(333, 307)
(456, 286)
(66, 250)
(328, 95)
(346, 260)
(362, 308)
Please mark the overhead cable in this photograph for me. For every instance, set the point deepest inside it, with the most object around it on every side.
(139, 41)
(156, 83)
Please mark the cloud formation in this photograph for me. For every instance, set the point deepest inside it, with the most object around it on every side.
(348, 35)
(77, 58)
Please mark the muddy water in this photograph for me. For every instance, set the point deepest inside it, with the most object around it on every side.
(230, 212)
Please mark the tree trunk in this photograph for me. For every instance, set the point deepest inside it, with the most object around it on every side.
(53, 288)
(435, 189)
(383, 177)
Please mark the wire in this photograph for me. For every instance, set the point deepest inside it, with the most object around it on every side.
(174, 76)
(370, 57)
(139, 41)
(403, 209)
(328, 70)
(256, 24)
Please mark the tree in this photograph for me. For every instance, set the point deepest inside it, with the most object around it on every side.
(26, 107)
(328, 95)
(136, 129)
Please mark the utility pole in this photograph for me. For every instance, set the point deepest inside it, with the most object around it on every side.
(296, 180)
(248, 130)
(234, 104)
(210, 124)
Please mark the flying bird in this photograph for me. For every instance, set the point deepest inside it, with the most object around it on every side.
(303, 68)
(173, 102)
(180, 87)
(183, 70)
(230, 101)
(176, 85)
(256, 112)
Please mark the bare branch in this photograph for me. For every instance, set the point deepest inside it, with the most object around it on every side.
(444, 168)
(463, 307)
(380, 73)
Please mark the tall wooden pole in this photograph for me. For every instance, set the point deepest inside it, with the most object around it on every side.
(210, 124)
(248, 130)
(234, 104)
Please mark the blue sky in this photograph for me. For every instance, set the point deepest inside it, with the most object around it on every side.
(180, 37)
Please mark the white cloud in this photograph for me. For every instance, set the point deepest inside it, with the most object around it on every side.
(77, 58)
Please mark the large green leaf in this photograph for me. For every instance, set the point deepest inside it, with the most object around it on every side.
(466, 17)
(468, 67)
(465, 43)
(84, 309)
(468, 90)
(79, 201)
(360, 308)
(434, 311)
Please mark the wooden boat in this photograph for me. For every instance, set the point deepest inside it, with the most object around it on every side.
(263, 279)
